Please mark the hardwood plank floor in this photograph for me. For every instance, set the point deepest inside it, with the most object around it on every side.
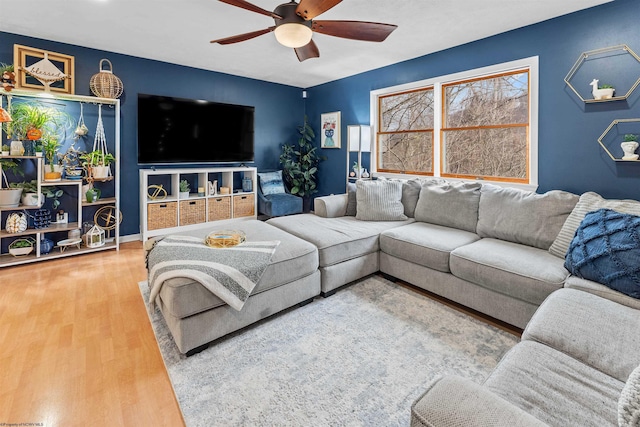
(77, 347)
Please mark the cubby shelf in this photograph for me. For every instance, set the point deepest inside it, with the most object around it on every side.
(168, 213)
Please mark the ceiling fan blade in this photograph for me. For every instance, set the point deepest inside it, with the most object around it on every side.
(310, 50)
(243, 37)
(356, 30)
(248, 6)
(309, 9)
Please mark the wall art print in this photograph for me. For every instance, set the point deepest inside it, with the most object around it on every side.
(330, 127)
(43, 70)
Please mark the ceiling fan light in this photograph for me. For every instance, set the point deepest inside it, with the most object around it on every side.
(293, 35)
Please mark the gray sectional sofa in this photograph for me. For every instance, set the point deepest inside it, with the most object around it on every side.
(483, 246)
(497, 250)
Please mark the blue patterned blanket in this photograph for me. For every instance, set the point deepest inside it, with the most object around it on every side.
(230, 273)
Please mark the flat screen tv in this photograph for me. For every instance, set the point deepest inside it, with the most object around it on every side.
(176, 130)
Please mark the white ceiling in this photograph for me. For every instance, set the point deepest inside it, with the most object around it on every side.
(179, 31)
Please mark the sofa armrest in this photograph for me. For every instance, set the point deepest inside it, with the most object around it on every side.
(330, 206)
(454, 401)
(601, 290)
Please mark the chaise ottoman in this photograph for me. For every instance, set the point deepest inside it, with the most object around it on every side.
(196, 317)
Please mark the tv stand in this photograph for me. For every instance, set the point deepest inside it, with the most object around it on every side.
(163, 211)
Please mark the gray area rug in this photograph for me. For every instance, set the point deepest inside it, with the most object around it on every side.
(357, 358)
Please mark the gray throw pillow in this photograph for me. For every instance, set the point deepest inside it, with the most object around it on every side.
(352, 202)
(379, 200)
(588, 202)
(450, 204)
(521, 216)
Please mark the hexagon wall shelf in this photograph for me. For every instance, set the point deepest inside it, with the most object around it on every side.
(607, 130)
(585, 55)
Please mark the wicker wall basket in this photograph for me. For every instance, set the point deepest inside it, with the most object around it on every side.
(105, 84)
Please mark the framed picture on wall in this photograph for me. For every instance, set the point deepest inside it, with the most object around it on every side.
(330, 130)
(39, 69)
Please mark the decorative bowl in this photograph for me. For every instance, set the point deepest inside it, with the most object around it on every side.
(225, 238)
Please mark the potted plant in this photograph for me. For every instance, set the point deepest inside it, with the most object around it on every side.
(38, 149)
(5, 150)
(184, 189)
(29, 192)
(97, 163)
(50, 146)
(21, 247)
(629, 147)
(9, 197)
(300, 164)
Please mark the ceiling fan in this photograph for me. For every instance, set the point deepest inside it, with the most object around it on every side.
(295, 26)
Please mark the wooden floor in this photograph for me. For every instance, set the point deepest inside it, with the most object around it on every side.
(76, 345)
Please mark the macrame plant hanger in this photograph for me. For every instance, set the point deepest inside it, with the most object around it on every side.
(100, 140)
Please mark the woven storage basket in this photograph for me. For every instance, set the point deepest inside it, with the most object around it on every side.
(105, 84)
(192, 211)
(243, 205)
(162, 215)
(219, 208)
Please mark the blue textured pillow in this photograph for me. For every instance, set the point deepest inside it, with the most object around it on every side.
(271, 182)
(606, 249)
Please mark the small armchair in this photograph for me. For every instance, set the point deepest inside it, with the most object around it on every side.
(274, 198)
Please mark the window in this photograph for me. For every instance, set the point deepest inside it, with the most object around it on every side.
(405, 139)
(480, 124)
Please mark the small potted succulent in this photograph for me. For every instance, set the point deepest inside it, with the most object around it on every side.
(184, 189)
(21, 247)
(629, 147)
(5, 150)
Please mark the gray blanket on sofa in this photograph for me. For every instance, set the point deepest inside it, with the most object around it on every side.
(229, 273)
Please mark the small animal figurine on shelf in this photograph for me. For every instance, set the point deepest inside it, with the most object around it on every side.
(601, 92)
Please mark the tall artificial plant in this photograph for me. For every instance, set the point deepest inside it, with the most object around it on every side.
(300, 162)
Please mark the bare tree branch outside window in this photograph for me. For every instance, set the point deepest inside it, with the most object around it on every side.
(405, 139)
(484, 134)
(486, 123)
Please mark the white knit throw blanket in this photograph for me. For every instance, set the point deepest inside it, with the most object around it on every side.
(230, 273)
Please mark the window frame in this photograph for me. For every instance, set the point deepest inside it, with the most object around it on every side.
(530, 64)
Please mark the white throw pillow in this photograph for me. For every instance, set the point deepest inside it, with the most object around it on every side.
(379, 200)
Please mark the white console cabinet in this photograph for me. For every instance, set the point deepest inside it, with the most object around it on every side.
(163, 211)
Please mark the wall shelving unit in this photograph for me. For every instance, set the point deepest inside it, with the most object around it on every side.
(162, 211)
(76, 205)
(614, 124)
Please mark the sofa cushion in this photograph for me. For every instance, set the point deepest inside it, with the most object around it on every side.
(606, 249)
(294, 259)
(601, 290)
(428, 245)
(451, 204)
(629, 403)
(271, 182)
(523, 216)
(588, 202)
(522, 272)
(379, 200)
(555, 388)
(608, 341)
(337, 239)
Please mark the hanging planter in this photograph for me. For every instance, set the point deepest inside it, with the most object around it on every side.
(97, 161)
(105, 84)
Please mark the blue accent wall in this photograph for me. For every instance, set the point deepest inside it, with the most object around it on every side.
(279, 109)
(569, 155)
